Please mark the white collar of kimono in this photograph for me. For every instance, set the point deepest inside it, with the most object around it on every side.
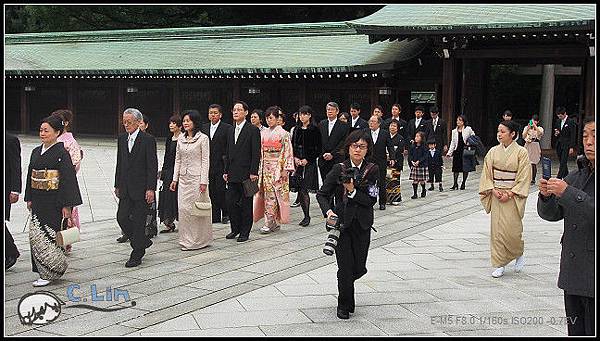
(507, 147)
(44, 149)
(353, 165)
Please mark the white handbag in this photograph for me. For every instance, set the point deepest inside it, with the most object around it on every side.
(203, 207)
(67, 236)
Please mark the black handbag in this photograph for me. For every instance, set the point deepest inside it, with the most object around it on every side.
(250, 187)
(297, 180)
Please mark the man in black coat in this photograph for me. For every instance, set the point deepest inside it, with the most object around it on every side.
(573, 199)
(356, 122)
(333, 133)
(218, 132)
(135, 183)
(566, 131)
(241, 164)
(414, 125)
(436, 129)
(12, 189)
(382, 142)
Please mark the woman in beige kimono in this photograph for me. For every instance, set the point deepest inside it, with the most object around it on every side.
(532, 134)
(273, 198)
(191, 175)
(503, 190)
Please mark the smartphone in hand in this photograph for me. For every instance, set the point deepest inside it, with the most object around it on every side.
(546, 168)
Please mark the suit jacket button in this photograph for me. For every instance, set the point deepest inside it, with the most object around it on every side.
(571, 254)
(579, 198)
(574, 226)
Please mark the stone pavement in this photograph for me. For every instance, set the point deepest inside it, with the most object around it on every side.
(429, 273)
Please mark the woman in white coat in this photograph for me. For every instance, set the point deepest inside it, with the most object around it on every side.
(460, 134)
(191, 175)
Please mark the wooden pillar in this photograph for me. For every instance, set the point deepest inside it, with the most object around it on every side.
(449, 93)
(237, 90)
(24, 109)
(176, 96)
(120, 105)
(374, 92)
(473, 92)
(590, 88)
(547, 104)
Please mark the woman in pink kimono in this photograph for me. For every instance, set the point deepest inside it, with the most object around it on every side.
(74, 151)
(273, 198)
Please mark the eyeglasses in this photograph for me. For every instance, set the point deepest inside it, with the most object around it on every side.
(357, 146)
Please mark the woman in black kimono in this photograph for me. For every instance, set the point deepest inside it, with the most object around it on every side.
(167, 201)
(51, 187)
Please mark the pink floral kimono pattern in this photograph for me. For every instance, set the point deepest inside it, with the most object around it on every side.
(76, 155)
(273, 198)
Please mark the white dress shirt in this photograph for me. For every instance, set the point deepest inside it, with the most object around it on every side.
(354, 120)
(213, 128)
(331, 124)
(418, 122)
(374, 135)
(131, 139)
(434, 124)
(238, 130)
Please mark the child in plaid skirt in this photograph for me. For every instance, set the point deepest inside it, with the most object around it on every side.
(417, 160)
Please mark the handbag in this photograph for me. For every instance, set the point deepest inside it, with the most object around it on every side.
(297, 180)
(67, 236)
(250, 187)
(203, 207)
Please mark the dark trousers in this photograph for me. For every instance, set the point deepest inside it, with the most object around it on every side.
(351, 255)
(10, 248)
(381, 182)
(580, 314)
(563, 156)
(325, 167)
(216, 189)
(131, 216)
(240, 209)
(435, 173)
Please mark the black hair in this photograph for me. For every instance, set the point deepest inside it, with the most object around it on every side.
(561, 110)
(273, 110)
(177, 120)
(535, 117)
(216, 106)
(395, 121)
(306, 109)
(434, 109)
(356, 136)
(420, 108)
(355, 106)
(590, 119)
(397, 105)
(146, 119)
(67, 117)
(55, 121)
(261, 115)
(463, 118)
(512, 127)
(378, 107)
(507, 113)
(422, 134)
(244, 105)
(195, 118)
(345, 114)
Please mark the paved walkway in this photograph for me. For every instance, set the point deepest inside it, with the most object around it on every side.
(429, 273)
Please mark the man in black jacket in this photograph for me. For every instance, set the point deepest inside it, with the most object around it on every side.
(566, 130)
(416, 124)
(135, 183)
(356, 122)
(333, 133)
(218, 132)
(12, 189)
(436, 129)
(573, 199)
(354, 208)
(382, 142)
(241, 164)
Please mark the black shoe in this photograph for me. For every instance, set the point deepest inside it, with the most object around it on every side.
(351, 311)
(225, 220)
(342, 314)
(382, 207)
(305, 221)
(232, 235)
(123, 239)
(414, 196)
(441, 188)
(455, 186)
(242, 239)
(296, 204)
(462, 186)
(149, 243)
(423, 193)
(431, 188)
(10, 261)
(170, 228)
(132, 263)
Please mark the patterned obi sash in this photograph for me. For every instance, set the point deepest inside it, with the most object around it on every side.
(504, 178)
(272, 146)
(45, 179)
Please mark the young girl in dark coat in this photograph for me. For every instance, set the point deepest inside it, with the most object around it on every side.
(417, 160)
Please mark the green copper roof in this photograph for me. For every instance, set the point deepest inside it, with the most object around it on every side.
(466, 18)
(291, 48)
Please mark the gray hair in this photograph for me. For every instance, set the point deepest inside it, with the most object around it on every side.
(136, 113)
(333, 105)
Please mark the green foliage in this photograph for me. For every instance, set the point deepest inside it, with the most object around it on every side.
(38, 18)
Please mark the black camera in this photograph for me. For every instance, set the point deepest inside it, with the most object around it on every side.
(332, 225)
(349, 174)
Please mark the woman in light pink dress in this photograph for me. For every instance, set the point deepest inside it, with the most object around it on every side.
(75, 152)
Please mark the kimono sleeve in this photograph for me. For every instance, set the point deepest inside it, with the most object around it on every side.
(68, 189)
(486, 182)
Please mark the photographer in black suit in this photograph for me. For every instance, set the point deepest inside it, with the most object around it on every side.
(135, 183)
(243, 158)
(12, 189)
(356, 194)
(566, 131)
(218, 133)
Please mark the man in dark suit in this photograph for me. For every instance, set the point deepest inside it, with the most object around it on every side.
(436, 129)
(356, 122)
(416, 124)
(566, 131)
(135, 183)
(241, 164)
(218, 132)
(382, 141)
(12, 189)
(333, 134)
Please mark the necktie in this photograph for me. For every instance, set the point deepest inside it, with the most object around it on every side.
(237, 132)
(130, 143)
(434, 124)
(212, 131)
